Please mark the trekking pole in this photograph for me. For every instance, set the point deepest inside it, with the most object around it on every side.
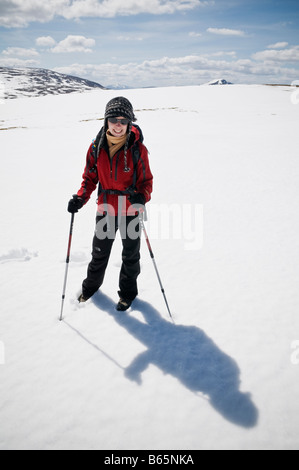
(67, 264)
(154, 262)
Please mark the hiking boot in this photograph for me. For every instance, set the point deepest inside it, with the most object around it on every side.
(81, 299)
(123, 305)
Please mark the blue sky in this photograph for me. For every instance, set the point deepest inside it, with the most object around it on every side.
(154, 42)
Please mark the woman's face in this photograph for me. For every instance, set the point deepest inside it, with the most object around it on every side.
(117, 129)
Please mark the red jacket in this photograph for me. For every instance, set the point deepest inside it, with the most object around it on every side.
(111, 176)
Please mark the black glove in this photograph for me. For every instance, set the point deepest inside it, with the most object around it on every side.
(137, 198)
(75, 204)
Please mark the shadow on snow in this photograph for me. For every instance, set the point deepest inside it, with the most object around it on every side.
(186, 353)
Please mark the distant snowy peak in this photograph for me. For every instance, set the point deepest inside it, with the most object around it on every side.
(33, 82)
(117, 86)
(219, 81)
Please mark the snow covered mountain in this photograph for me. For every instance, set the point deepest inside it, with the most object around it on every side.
(118, 86)
(33, 82)
(219, 81)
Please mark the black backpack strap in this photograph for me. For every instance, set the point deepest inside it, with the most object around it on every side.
(135, 156)
(95, 146)
(95, 152)
(141, 138)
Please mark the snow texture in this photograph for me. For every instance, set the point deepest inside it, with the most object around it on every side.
(225, 375)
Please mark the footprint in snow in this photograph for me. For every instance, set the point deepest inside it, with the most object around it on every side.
(17, 255)
(75, 305)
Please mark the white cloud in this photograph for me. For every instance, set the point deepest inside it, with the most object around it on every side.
(45, 41)
(226, 32)
(74, 44)
(20, 52)
(129, 38)
(19, 13)
(278, 45)
(193, 34)
(277, 56)
(17, 62)
(185, 70)
(162, 71)
(222, 53)
(112, 8)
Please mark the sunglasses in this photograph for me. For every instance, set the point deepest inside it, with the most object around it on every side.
(123, 122)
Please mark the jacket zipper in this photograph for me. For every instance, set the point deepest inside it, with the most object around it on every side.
(111, 167)
(116, 164)
(116, 157)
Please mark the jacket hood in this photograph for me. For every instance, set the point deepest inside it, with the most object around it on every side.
(137, 133)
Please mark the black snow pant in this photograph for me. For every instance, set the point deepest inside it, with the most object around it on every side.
(106, 229)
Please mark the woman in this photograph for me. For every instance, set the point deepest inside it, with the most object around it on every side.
(118, 161)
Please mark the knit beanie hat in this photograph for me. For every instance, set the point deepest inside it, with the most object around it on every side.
(120, 106)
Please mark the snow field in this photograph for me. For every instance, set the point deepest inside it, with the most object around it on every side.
(222, 376)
